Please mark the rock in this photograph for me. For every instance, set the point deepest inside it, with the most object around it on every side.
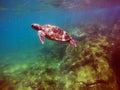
(90, 64)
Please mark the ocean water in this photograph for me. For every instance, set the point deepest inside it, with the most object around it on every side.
(17, 17)
(20, 47)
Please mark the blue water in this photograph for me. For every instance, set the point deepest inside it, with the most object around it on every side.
(16, 17)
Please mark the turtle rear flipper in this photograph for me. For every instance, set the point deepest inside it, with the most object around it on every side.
(73, 43)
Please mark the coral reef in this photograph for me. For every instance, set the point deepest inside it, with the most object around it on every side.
(89, 65)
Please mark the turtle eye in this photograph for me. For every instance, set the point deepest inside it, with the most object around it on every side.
(32, 25)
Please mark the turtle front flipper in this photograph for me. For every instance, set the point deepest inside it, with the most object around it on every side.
(41, 35)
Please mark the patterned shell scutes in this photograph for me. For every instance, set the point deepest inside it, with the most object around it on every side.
(56, 33)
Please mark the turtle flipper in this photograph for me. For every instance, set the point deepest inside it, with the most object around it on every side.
(41, 35)
(73, 43)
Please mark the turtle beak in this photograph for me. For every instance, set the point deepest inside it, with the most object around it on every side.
(34, 26)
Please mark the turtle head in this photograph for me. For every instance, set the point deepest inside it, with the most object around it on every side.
(36, 26)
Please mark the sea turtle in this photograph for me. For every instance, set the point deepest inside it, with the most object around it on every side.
(53, 33)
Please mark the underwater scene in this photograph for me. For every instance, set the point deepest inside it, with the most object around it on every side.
(59, 44)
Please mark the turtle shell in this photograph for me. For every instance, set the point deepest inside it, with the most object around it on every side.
(56, 33)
